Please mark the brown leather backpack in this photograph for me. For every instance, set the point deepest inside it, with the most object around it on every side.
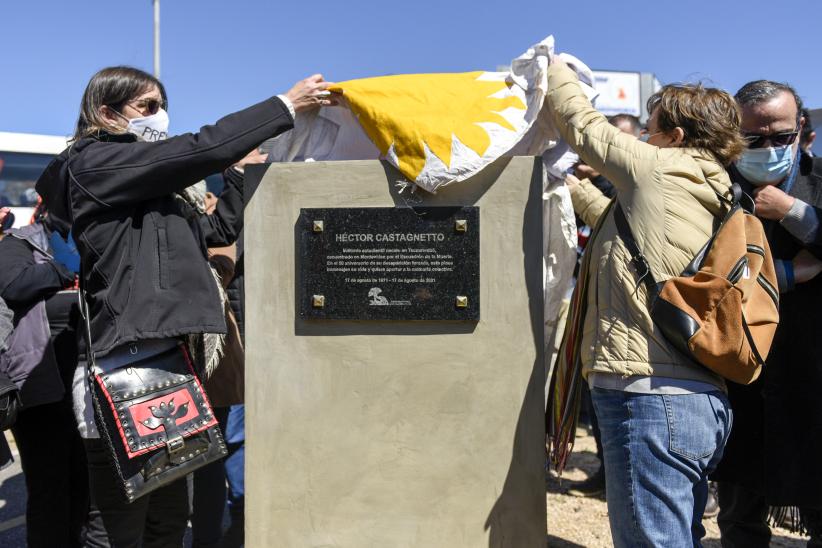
(722, 311)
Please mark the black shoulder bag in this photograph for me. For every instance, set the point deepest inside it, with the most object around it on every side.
(154, 417)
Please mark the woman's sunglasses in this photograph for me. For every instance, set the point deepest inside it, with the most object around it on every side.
(758, 140)
(152, 106)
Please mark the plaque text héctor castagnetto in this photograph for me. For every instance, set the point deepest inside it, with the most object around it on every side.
(389, 263)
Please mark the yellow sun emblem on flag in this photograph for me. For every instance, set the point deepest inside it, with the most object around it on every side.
(412, 111)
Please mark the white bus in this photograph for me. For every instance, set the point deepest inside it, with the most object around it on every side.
(23, 157)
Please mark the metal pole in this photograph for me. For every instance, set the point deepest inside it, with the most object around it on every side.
(156, 38)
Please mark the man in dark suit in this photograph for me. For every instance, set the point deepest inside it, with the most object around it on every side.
(771, 462)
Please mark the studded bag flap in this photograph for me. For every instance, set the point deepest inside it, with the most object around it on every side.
(155, 419)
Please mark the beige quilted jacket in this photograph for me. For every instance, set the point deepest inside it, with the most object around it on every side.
(669, 199)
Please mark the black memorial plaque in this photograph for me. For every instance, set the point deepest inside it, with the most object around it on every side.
(388, 263)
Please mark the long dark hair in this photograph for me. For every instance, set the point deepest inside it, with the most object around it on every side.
(114, 87)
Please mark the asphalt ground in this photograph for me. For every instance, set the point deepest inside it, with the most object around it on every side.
(13, 505)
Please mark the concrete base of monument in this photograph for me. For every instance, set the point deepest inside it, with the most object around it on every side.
(387, 433)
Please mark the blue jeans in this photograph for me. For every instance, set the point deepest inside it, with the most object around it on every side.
(235, 462)
(235, 474)
(658, 453)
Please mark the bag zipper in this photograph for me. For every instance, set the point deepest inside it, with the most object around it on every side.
(736, 272)
(756, 249)
(769, 289)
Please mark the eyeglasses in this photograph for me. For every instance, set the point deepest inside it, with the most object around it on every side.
(147, 105)
(758, 140)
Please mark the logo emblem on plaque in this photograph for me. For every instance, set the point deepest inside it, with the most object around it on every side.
(376, 298)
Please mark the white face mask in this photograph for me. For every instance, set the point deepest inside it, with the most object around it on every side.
(150, 128)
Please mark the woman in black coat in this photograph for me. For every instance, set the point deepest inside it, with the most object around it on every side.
(120, 189)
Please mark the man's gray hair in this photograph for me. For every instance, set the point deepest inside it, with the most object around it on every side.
(759, 91)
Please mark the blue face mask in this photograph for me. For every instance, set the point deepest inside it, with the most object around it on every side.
(766, 166)
(645, 136)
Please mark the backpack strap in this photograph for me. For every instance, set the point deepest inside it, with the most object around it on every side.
(751, 342)
(637, 258)
(738, 198)
(736, 194)
(92, 370)
(747, 203)
(86, 315)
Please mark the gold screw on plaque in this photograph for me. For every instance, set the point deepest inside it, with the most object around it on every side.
(462, 301)
(318, 301)
(318, 226)
(461, 225)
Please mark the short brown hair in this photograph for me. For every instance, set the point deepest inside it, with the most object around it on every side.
(113, 87)
(709, 117)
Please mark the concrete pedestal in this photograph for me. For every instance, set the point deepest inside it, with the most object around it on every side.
(396, 434)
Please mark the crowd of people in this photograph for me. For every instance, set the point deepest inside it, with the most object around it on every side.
(128, 259)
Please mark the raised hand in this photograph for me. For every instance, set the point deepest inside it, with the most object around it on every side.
(311, 93)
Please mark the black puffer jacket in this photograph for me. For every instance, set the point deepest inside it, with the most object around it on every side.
(143, 260)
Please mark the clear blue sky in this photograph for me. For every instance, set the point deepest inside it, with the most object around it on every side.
(220, 55)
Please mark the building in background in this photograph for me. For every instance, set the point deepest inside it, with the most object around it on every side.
(622, 92)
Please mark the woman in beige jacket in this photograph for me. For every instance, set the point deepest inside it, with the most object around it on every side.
(664, 420)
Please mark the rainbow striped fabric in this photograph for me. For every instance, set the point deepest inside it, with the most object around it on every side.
(565, 395)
